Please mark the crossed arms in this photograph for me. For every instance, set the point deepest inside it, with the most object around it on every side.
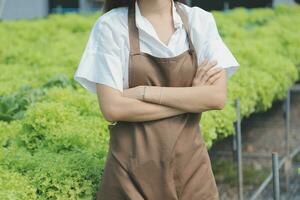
(208, 92)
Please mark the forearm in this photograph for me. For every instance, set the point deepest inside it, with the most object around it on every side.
(194, 99)
(129, 109)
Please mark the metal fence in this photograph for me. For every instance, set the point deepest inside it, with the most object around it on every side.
(278, 162)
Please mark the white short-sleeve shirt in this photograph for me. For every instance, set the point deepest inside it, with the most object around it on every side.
(106, 55)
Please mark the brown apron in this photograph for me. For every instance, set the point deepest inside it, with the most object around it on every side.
(163, 159)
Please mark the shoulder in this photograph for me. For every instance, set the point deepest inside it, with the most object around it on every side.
(195, 10)
(112, 23)
(199, 19)
(113, 17)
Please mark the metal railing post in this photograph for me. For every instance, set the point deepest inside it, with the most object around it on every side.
(275, 172)
(287, 164)
(239, 150)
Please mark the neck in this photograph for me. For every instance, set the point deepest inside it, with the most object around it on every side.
(156, 7)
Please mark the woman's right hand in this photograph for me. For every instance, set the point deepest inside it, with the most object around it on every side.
(206, 73)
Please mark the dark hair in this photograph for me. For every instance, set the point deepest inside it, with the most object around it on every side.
(111, 4)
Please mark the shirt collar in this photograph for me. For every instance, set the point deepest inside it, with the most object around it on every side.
(141, 21)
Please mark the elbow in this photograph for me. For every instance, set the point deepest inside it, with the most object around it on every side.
(220, 105)
(220, 101)
(216, 101)
(110, 113)
(108, 116)
(109, 103)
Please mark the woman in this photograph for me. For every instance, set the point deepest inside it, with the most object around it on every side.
(155, 67)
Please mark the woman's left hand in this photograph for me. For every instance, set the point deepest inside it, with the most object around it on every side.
(134, 92)
(207, 73)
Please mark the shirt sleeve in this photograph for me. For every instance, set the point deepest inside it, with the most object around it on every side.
(217, 50)
(101, 59)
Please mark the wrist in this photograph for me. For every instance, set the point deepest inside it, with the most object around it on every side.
(153, 94)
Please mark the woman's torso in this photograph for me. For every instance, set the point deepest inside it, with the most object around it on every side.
(157, 141)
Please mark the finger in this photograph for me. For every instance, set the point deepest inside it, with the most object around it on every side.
(201, 74)
(204, 78)
(201, 66)
(211, 64)
(214, 71)
(212, 79)
(206, 68)
(203, 63)
(215, 79)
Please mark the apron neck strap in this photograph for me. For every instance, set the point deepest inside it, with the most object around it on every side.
(134, 32)
(185, 21)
